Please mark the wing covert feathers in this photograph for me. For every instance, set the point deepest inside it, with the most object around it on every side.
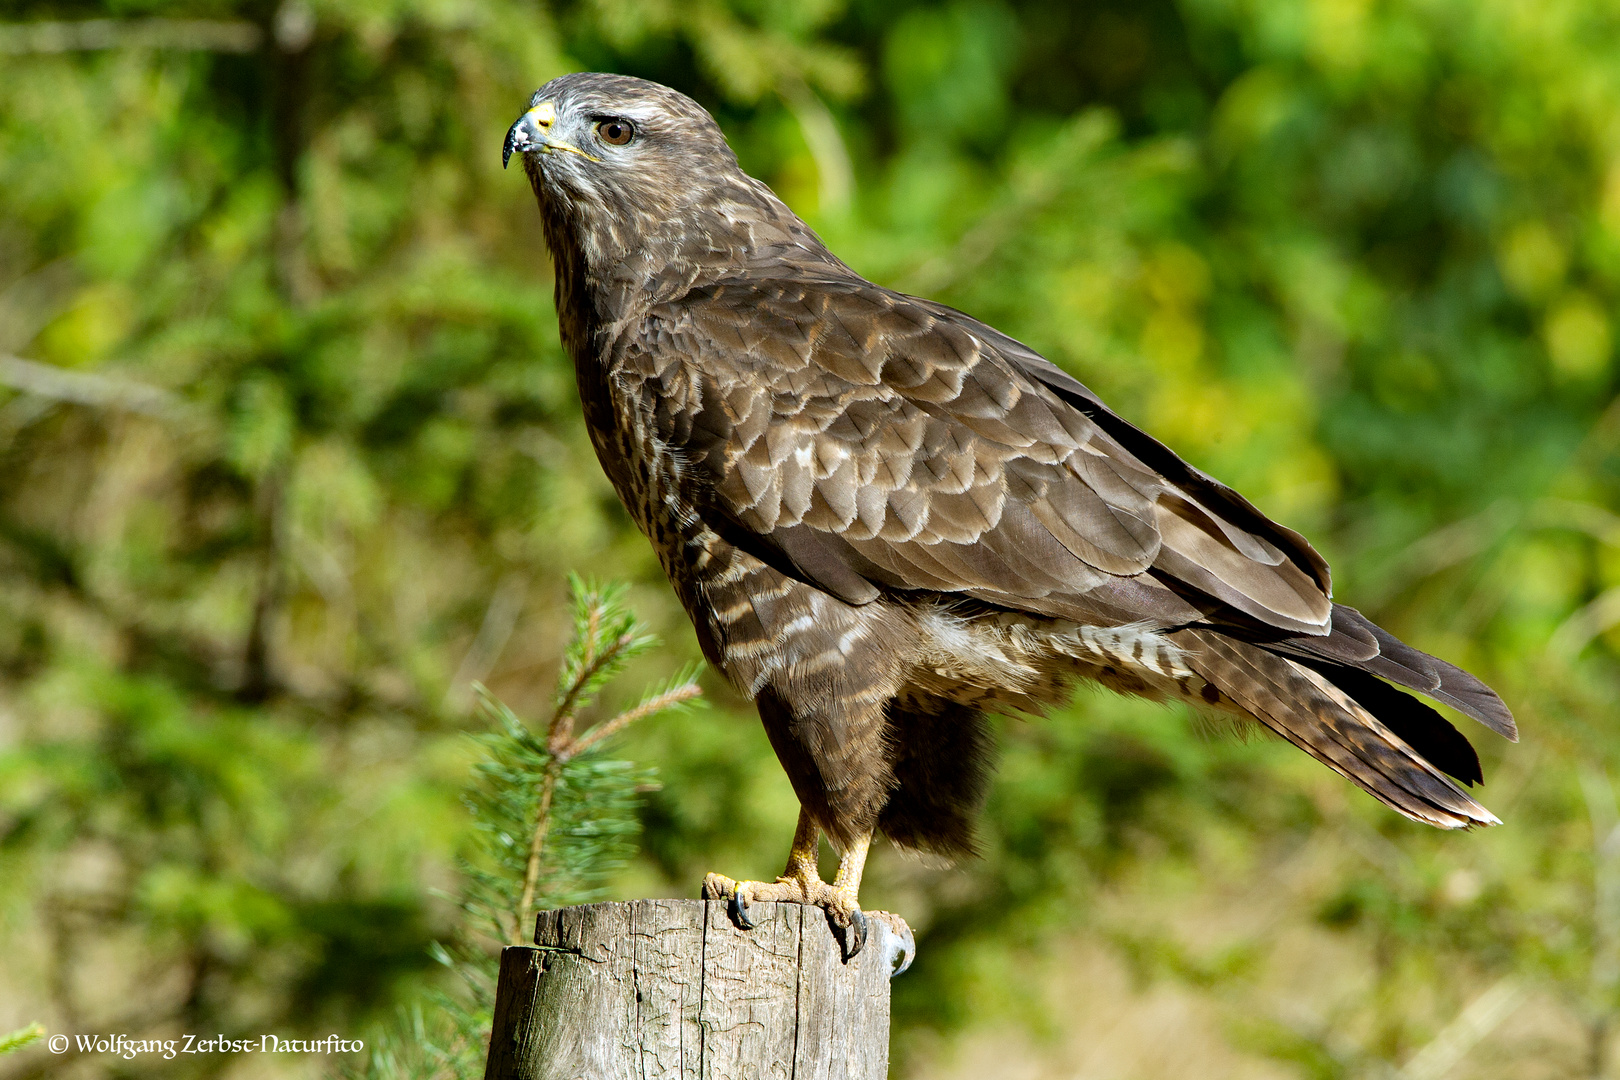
(1305, 707)
(872, 441)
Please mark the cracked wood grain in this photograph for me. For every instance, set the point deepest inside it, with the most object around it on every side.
(673, 990)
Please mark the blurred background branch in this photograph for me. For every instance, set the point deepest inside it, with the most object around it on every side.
(86, 388)
(84, 35)
(1482, 1016)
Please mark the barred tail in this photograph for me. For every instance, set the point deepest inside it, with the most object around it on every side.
(1386, 742)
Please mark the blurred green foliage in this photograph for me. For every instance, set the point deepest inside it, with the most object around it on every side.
(290, 457)
(553, 821)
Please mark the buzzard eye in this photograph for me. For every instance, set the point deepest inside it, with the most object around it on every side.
(615, 132)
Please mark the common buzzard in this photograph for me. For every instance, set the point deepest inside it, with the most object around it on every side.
(885, 517)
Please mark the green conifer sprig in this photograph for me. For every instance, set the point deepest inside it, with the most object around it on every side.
(553, 819)
(20, 1038)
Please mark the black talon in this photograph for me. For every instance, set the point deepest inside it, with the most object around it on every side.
(739, 911)
(851, 938)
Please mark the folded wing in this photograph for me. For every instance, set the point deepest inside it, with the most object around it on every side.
(876, 442)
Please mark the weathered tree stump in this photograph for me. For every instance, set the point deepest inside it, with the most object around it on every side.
(674, 990)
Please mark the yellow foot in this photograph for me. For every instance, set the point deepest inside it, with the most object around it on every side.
(842, 908)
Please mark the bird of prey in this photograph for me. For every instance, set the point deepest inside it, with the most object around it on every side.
(885, 517)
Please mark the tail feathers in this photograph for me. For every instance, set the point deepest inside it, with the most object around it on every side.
(1399, 662)
(1418, 725)
(1358, 642)
(1335, 724)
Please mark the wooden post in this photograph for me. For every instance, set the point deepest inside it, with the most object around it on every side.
(674, 990)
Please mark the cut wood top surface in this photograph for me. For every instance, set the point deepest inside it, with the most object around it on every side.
(655, 989)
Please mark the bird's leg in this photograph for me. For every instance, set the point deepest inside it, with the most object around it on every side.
(842, 902)
(801, 883)
(801, 864)
(852, 925)
(797, 885)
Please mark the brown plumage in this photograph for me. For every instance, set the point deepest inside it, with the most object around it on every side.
(884, 516)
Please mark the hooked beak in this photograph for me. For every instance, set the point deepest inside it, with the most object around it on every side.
(532, 133)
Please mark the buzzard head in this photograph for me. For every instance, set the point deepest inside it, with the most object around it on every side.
(615, 160)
